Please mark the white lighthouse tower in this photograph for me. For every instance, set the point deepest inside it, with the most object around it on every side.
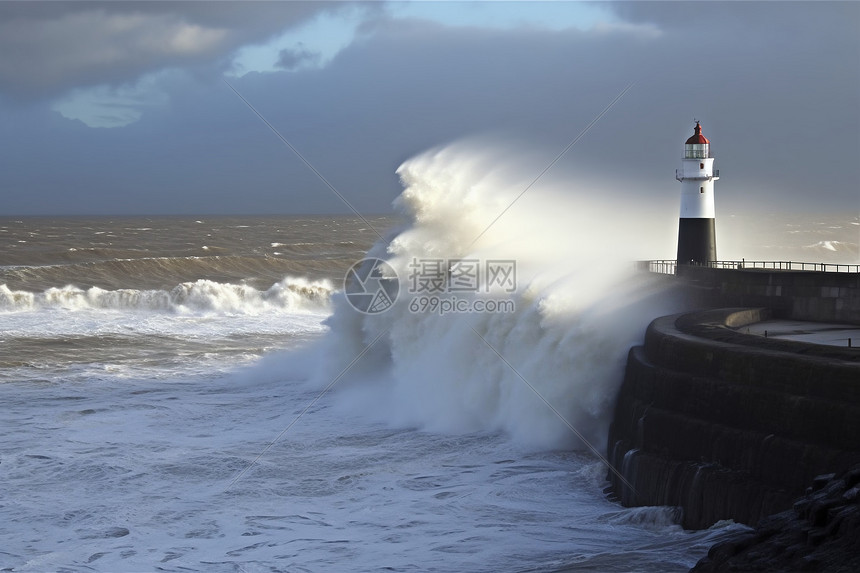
(697, 244)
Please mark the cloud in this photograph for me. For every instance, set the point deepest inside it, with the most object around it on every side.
(48, 48)
(778, 102)
(293, 58)
(107, 106)
(89, 45)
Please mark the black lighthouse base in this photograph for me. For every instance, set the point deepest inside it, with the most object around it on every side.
(697, 243)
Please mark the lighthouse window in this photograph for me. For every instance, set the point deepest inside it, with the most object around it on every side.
(701, 189)
(695, 150)
(701, 165)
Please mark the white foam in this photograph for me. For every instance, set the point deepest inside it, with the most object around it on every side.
(290, 295)
(832, 246)
(121, 458)
(578, 307)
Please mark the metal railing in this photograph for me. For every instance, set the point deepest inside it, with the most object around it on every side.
(668, 267)
(679, 175)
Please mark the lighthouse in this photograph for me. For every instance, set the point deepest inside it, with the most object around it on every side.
(697, 244)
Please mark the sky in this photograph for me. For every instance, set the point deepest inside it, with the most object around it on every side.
(127, 107)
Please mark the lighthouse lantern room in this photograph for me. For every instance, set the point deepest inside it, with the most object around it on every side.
(696, 237)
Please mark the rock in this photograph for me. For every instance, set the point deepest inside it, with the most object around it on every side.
(805, 538)
(820, 481)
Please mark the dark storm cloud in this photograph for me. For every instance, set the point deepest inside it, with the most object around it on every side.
(777, 92)
(700, 16)
(778, 101)
(290, 59)
(47, 48)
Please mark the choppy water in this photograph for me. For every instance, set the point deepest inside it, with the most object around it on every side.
(152, 253)
(144, 377)
(186, 394)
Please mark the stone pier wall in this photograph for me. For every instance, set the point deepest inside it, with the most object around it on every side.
(801, 295)
(727, 425)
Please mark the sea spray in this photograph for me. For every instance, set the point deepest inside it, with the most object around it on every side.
(544, 373)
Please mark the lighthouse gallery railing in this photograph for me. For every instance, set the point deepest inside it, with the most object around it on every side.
(679, 175)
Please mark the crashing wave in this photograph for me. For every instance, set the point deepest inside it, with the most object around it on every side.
(545, 373)
(202, 296)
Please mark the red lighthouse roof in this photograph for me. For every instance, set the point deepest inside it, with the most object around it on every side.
(697, 137)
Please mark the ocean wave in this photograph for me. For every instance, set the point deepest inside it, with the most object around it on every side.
(545, 374)
(832, 246)
(290, 295)
(655, 518)
(162, 272)
(59, 255)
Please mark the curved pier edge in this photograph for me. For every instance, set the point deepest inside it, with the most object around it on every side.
(726, 425)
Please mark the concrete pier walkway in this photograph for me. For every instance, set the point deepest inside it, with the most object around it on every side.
(804, 331)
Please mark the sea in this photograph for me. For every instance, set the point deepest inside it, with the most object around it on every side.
(210, 393)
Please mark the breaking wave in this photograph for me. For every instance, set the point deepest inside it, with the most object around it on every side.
(833, 247)
(546, 373)
(202, 296)
(161, 272)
